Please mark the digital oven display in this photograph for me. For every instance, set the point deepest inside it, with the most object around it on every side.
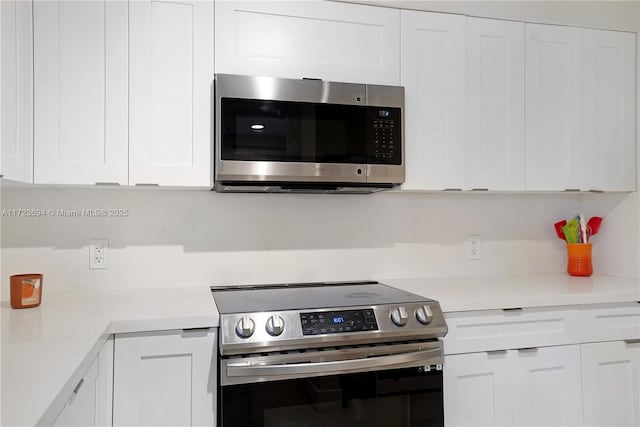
(335, 322)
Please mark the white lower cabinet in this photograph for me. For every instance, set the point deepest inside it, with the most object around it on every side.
(526, 387)
(477, 390)
(547, 386)
(611, 378)
(166, 378)
(90, 401)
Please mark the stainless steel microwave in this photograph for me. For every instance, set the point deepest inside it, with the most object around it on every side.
(274, 135)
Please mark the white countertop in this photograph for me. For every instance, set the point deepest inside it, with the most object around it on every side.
(535, 290)
(46, 350)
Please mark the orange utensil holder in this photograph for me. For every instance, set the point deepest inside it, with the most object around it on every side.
(579, 259)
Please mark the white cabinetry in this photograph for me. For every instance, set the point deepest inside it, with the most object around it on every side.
(433, 74)
(165, 378)
(477, 390)
(91, 399)
(80, 92)
(314, 39)
(611, 377)
(495, 104)
(16, 90)
(555, 149)
(580, 109)
(511, 367)
(609, 114)
(170, 92)
(526, 387)
(547, 386)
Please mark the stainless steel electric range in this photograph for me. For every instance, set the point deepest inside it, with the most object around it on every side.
(328, 354)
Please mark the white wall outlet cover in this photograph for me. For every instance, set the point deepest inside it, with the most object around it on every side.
(473, 246)
(98, 254)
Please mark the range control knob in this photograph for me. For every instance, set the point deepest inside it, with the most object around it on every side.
(275, 325)
(424, 314)
(399, 316)
(245, 327)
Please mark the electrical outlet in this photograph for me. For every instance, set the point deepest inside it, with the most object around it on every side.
(98, 254)
(473, 246)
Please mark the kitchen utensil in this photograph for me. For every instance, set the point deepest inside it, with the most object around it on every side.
(558, 227)
(594, 223)
(571, 231)
(583, 228)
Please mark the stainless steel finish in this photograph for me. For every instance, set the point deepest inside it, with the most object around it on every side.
(496, 352)
(329, 362)
(275, 325)
(234, 170)
(528, 350)
(292, 336)
(277, 174)
(634, 341)
(424, 314)
(399, 316)
(245, 327)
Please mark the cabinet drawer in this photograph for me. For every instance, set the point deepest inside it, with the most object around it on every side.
(610, 322)
(511, 328)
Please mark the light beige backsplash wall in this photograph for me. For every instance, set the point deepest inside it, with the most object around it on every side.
(195, 237)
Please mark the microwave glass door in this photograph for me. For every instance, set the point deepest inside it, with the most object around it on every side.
(282, 131)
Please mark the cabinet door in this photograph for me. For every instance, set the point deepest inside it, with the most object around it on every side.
(170, 104)
(165, 379)
(611, 382)
(555, 150)
(314, 39)
(91, 400)
(16, 90)
(547, 386)
(433, 74)
(477, 389)
(495, 104)
(80, 91)
(609, 117)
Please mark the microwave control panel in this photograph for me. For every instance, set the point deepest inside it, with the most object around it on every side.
(386, 136)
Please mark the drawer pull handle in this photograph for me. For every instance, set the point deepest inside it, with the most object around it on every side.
(75, 390)
(528, 350)
(512, 309)
(635, 341)
(494, 352)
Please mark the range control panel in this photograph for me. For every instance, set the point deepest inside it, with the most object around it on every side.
(333, 322)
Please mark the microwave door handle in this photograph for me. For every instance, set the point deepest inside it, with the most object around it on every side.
(246, 369)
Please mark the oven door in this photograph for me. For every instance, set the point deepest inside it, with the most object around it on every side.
(383, 385)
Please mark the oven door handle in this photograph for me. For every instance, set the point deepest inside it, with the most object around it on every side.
(247, 369)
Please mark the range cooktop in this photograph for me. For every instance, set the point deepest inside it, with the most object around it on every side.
(264, 318)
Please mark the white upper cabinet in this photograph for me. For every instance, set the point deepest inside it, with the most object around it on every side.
(170, 92)
(433, 74)
(495, 104)
(555, 149)
(16, 90)
(609, 114)
(314, 39)
(80, 92)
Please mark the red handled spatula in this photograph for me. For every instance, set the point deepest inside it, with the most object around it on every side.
(558, 226)
(594, 224)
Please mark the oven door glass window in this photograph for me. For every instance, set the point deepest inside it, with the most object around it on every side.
(398, 398)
